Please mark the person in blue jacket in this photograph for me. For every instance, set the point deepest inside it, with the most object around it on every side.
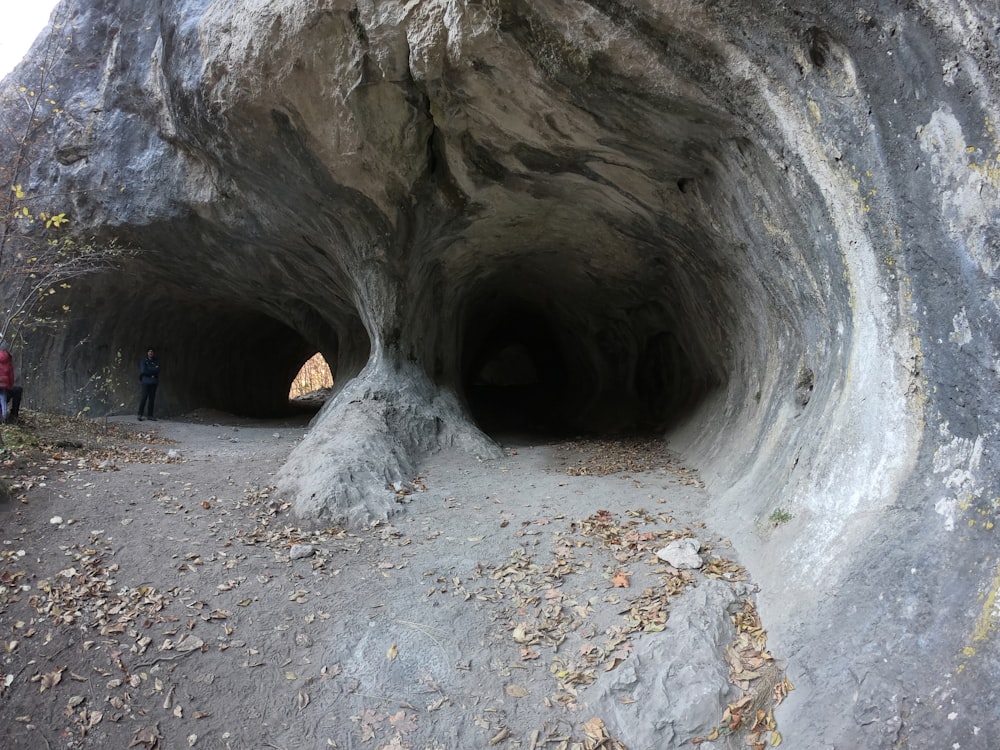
(149, 378)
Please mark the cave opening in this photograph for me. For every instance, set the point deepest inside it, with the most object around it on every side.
(559, 356)
(517, 378)
(313, 380)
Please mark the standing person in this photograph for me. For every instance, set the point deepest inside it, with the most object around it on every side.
(6, 379)
(149, 378)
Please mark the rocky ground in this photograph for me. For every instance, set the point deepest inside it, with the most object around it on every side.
(155, 593)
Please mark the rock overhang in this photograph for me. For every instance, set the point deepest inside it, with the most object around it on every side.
(685, 220)
(665, 252)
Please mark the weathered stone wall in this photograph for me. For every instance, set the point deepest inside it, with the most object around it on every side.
(767, 230)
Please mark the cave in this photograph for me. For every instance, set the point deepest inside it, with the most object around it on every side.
(764, 233)
(559, 355)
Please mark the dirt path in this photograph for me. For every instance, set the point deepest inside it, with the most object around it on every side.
(154, 594)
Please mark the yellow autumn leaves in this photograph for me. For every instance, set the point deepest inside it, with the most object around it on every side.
(51, 220)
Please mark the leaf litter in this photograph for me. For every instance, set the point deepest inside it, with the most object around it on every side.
(558, 622)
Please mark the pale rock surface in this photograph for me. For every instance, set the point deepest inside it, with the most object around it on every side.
(682, 554)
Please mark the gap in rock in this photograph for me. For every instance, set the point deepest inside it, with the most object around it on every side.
(313, 383)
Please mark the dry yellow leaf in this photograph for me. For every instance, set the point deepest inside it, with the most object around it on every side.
(51, 679)
(392, 653)
(594, 728)
(500, 736)
(516, 691)
(775, 739)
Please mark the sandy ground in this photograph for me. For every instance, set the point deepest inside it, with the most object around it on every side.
(154, 593)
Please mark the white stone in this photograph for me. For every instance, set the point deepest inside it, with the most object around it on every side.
(300, 551)
(682, 554)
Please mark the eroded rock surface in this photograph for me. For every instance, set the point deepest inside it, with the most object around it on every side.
(767, 230)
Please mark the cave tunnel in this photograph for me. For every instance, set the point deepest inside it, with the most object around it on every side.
(545, 359)
(595, 315)
(215, 354)
(517, 377)
(662, 269)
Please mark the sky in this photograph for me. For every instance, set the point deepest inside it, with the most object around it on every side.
(20, 22)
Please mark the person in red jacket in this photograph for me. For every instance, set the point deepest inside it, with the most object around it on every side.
(6, 380)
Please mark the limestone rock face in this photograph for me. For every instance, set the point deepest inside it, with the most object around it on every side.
(768, 230)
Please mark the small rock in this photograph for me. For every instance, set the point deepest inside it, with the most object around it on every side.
(276, 435)
(56, 520)
(300, 551)
(107, 464)
(682, 554)
(173, 453)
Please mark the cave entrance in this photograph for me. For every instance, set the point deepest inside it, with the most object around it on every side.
(313, 382)
(563, 353)
(516, 378)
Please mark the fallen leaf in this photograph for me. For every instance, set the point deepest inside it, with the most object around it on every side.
(403, 722)
(369, 722)
(392, 653)
(594, 729)
(516, 691)
(51, 679)
(189, 643)
(148, 737)
(620, 580)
